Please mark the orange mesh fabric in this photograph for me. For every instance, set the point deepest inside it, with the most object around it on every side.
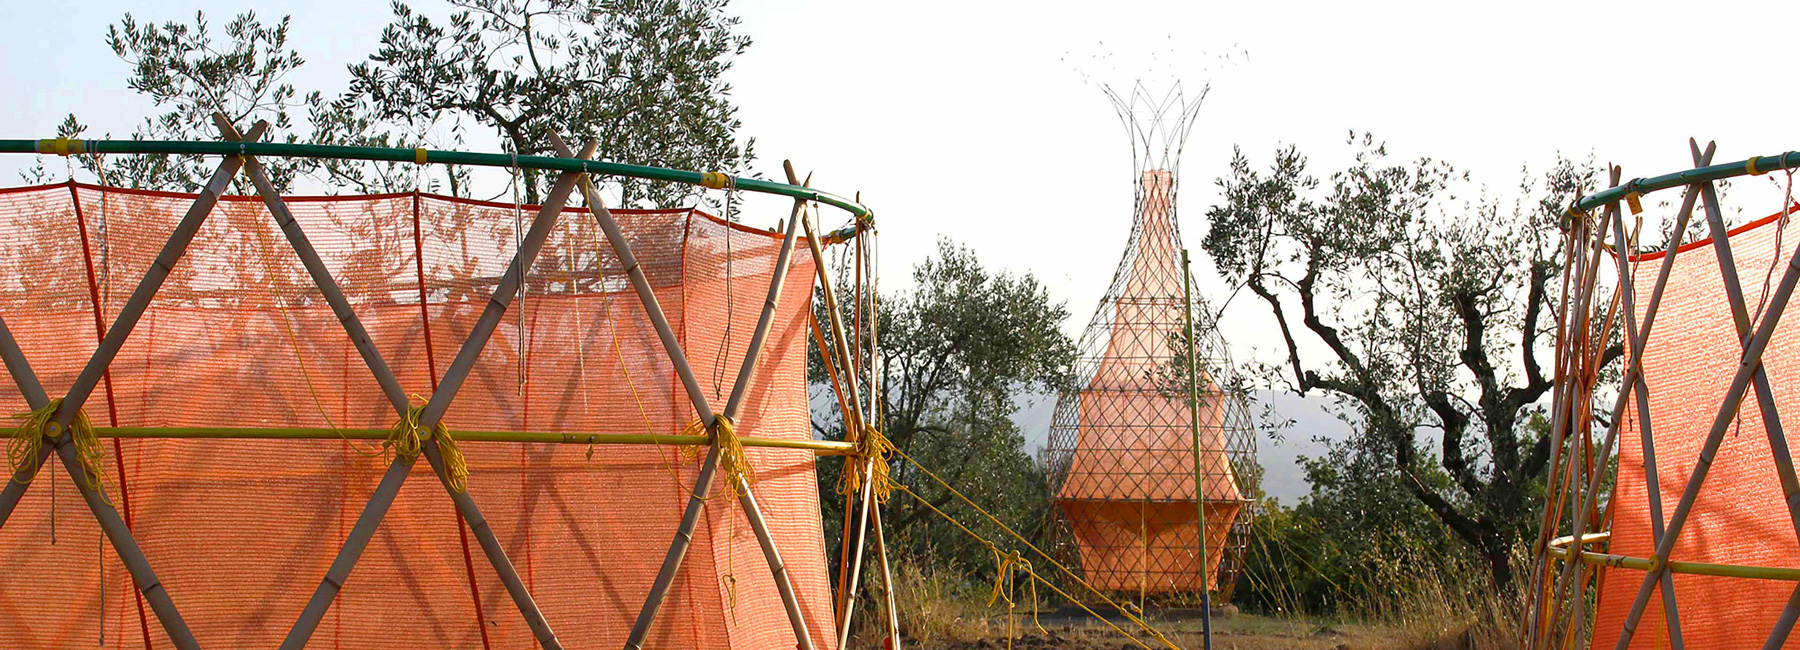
(241, 531)
(1125, 443)
(1739, 516)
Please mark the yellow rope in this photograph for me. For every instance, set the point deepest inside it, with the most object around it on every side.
(312, 389)
(738, 477)
(406, 440)
(1021, 538)
(877, 450)
(1026, 567)
(1006, 582)
(738, 472)
(39, 425)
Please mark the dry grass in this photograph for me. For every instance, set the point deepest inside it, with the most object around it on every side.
(1451, 611)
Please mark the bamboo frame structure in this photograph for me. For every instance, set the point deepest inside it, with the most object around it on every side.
(1559, 607)
(575, 171)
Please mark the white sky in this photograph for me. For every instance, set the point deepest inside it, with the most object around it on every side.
(969, 120)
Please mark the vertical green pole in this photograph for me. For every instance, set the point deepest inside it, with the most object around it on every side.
(1193, 373)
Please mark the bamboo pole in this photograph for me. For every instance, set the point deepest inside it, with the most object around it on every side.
(143, 577)
(1641, 390)
(1765, 397)
(696, 500)
(33, 391)
(783, 585)
(790, 601)
(429, 416)
(1582, 321)
(849, 599)
(887, 575)
(838, 355)
(878, 412)
(836, 320)
(1752, 358)
(1543, 608)
(1187, 293)
(850, 419)
(684, 531)
(396, 394)
(1578, 419)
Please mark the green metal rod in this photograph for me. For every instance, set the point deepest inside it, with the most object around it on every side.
(1644, 186)
(294, 150)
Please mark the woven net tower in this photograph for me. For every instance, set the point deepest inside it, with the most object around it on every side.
(1132, 461)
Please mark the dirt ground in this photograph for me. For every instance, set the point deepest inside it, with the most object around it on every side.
(1235, 632)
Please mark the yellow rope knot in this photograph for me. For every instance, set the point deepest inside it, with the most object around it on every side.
(39, 425)
(732, 461)
(407, 439)
(872, 447)
(1006, 581)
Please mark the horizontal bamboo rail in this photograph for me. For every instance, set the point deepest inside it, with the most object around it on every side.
(819, 447)
(66, 146)
(1559, 549)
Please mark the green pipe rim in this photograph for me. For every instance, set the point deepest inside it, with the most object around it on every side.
(68, 146)
(1755, 165)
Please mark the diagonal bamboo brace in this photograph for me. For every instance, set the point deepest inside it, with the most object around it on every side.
(684, 532)
(143, 577)
(391, 387)
(433, 412)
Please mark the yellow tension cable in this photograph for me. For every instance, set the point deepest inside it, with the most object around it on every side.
(39, 425)
(406, 440)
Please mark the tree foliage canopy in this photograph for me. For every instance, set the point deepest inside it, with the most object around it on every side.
(1426, 314)
(956, 350)
(643, 77)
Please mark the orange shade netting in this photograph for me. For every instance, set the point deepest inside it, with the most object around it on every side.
(241, 531)
(1739, 516)
(1129, 491)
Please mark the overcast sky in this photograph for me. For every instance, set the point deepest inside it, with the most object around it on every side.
(980, 122)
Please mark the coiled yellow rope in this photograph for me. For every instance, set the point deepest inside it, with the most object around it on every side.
(738, 472)
(38, 426)
(872, 447)
(406, 440)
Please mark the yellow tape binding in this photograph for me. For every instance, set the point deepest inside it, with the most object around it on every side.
(60, 146)
(715, 180)
(1634, 200)
(419, 156)
(1750, 165)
